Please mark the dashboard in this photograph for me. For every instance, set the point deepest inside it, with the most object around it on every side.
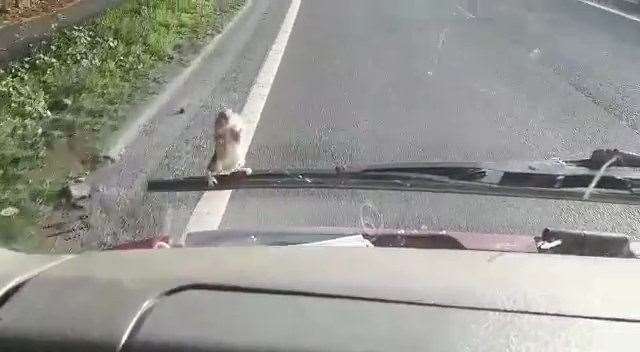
(304, 298)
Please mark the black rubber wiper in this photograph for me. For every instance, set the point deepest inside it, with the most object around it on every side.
(580, 180)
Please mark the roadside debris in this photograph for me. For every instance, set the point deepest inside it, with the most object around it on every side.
(535, 54)
(108, 159)
(9, 211)
(77, 192)
(71, 230)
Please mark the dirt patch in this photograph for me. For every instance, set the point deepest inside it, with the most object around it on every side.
(32, 9)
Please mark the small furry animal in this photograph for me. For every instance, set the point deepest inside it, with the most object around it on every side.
(227, 157)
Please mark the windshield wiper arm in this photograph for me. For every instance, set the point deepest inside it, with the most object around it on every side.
(553, 180)
(617, 158)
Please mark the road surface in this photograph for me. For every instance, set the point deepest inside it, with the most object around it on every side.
(365, 81)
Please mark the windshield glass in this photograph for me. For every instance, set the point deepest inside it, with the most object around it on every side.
(97, 98)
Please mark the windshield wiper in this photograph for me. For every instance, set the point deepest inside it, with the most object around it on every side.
(597, 179)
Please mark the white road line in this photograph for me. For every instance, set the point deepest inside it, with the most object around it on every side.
(612, 10)
(211, 207)
(132, 132)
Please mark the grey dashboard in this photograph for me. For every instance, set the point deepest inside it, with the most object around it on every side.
(318, 299)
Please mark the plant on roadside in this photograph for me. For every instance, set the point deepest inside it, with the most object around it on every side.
(77, 84)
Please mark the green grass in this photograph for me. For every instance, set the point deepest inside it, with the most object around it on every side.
(76, 85)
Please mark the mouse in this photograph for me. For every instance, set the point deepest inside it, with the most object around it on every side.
(228, 134)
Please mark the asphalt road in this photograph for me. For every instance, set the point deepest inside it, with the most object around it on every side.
(365, 81)
(173, 144)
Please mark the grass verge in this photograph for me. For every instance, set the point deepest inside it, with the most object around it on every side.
(73, 88)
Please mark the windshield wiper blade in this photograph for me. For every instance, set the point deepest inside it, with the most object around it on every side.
(530, 180)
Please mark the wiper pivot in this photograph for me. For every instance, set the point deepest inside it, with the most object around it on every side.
(585, 243)
(601, 156)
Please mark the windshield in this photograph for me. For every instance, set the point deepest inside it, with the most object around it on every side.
(98, 98)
